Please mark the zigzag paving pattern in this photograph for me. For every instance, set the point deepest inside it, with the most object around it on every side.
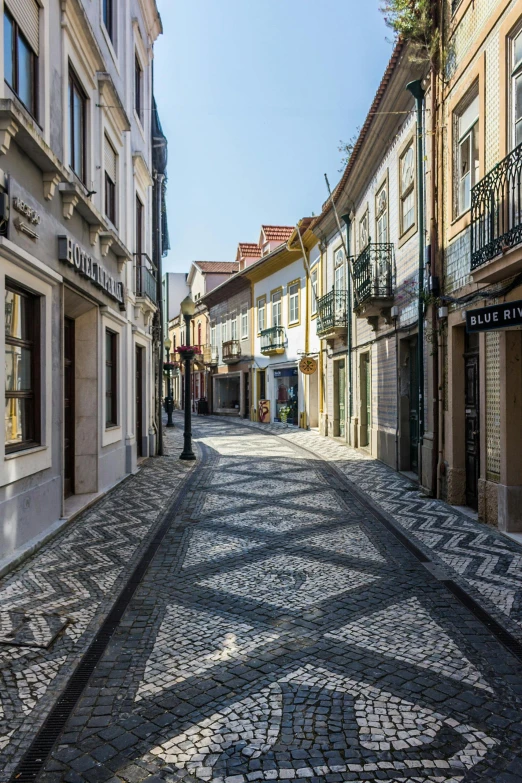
(281, 632)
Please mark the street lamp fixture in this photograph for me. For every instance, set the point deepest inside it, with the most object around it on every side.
(188, 308)
(169, 402)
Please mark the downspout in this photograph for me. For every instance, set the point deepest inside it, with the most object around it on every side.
(348, 222)
(306, 267)
(434, 272)
(418, 93)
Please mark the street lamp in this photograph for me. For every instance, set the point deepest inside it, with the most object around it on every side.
(169, 401)
(188, 309)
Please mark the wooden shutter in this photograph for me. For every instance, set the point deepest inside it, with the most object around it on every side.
(26, 15)
(110, 160)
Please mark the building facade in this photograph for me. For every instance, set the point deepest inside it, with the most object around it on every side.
(79, 284)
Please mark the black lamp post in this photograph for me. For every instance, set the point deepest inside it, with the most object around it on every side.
(187, 311)
(169, 401)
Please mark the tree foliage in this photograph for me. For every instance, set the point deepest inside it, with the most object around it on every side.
(416, 22)
(346, 149)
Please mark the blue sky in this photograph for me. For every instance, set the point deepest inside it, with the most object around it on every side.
(254, 96)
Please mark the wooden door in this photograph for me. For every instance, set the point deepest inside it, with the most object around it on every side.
(471, 420)
(68, 407)
(414, 406)
(341, 396)
(139, 400)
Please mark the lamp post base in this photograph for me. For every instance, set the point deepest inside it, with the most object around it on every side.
(187, 455)
(169, 423)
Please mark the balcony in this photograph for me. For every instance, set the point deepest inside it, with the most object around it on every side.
(210, 355)
(146, 285)
(332, 315)
(231, 352)
(373, 280)
(273, 341)
(496, 220)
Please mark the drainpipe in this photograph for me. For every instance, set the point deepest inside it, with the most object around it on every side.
(348, 222)
(418, 93)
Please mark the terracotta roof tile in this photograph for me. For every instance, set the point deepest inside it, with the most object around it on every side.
(249, 250)
(277, 233)
(218, 266)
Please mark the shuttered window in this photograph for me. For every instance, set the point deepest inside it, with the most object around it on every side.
(110, 162)
(25, 13)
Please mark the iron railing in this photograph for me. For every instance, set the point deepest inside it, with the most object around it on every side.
(231, 351)
(373, 273)
(332, 312)
(145, 277)
(496, 210)
(272, 339)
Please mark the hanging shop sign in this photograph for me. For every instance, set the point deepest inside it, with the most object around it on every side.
(499, 316)
(70, 252)
(308, 366)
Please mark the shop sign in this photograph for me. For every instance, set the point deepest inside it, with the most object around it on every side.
(27, 211)
(500, 316)
(285, 372)
(308, 366)
(71, 253)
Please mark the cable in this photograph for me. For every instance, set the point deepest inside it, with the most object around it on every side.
(483, 293)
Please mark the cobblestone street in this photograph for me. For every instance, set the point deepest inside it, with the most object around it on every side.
(282, 629)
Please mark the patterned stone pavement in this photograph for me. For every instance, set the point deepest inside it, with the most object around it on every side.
(281, 632)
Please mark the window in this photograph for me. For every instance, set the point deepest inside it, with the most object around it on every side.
(22, 376)
(466, 154)
(199, 335)
(276, 308)
(77, 145)
(339, 270)
(261, 314)
(138, 88)
(224, 330)
(407, 189)
(244, 323)
(21, 53)
(139, 226)
(382, 215)
(516, 89)
(363, 232)
(108, 18)
(111, 379)
(233, 326)
(293, 303)
(213, 335)
(313, 285)
(111, 163)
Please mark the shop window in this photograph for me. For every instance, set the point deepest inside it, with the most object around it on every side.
(293, 303)
(466, 156)
(111, 378)
(21, 52)
(286, 396)
(407, 189)
(516, 89)
(77, 111)
(261, 314)
(109, 20)
(382, 216)
(111, 165)
(22, 368)
(313, 285)
(244, 323)
(276, 309)
(138, 88)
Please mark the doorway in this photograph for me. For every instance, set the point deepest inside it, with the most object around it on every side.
(471, 418)
(246, 410)
(414, 405)
(340, 391)
(366, 399)
(68, 407)
(139, 401)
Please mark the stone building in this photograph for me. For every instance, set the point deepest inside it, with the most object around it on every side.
(79, 284)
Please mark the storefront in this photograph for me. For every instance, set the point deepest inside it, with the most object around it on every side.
(227, 394)
(286, 395)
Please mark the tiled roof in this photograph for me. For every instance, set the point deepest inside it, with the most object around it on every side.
(277, 233)
(218, 266)
(249, 250)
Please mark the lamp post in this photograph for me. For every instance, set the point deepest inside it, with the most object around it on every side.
(187, 311)
(169, 402)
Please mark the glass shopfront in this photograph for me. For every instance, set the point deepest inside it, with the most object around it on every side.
(286, 395)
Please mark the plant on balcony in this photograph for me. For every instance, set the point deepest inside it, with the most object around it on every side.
(416, 21)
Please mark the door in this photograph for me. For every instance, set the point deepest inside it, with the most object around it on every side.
(139, 400)
(341, 396)
(471, 420)
(366, 399)
(414, 406)
(247, 396)
(68, 407)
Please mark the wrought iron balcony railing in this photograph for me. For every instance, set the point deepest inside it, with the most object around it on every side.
(145, 277)
(332, 312)
(373, 273)
(496, 210)
(273, 340)
(210, 355)
(231, 351)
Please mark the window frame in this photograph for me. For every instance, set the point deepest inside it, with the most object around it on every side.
(113, 392)
(261, 309)
(233, 326)
(75, 84)
(339, 265)
(314, 289)
(276, 292)
(18, 33)
(515, 71)
(382, 213)
(109, 20)
(410, 190)
(138, 87)
(470, 136)
(364, 224)
(34, 345)
(109, 188)
(296, 296)
(244, 322)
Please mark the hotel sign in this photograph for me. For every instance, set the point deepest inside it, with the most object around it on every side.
(500, 316)
(70, 252)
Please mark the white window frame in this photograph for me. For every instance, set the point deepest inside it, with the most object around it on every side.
(224, 329)
(381, 212)
(261, 314)
(233, 326)
(516, 76)
(213, 343)
(407, 191)
(339, 276)
(276, 300)
(293, 302)
(314, 279)
(364, 231)
(244, 323)
(466, 137)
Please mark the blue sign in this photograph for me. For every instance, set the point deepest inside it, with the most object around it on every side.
(285, 372)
